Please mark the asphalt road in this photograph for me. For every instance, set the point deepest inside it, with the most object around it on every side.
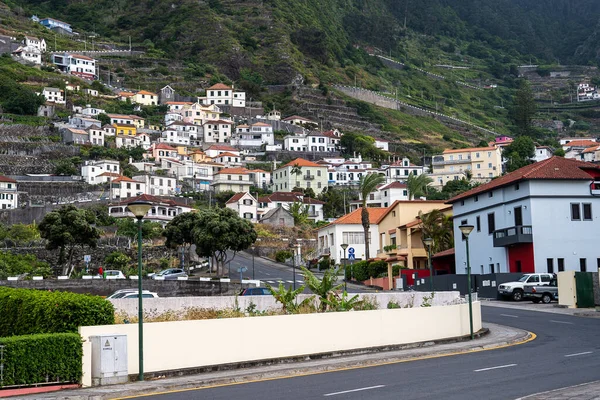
(565, 353)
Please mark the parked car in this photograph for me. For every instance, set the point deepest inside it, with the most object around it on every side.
(255, 292)
(545, 293)
(131, 293)
(170, 274)
(515, 290)
(114, 274)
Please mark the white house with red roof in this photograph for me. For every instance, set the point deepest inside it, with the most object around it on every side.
(314, 207)
(158, 185)
(216, 149)
(591, 154)
(221, 94)
(75, 64)
(300, 173)
(161, 150)
(245, 205)
(261, 179)
(163, 210)
(254, 135)
(218, 131)
(574, 148)
(300, 121)
(400, 170)
(348, 230)
(232, 179)
(143, 140)
(229, 159)
(540, 218)
(175, 137)
(125, 187)
(384, 196)
(9, 197)
(92, 170)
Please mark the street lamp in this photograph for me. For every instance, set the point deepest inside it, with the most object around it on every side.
(253, 249)
(344, 246)
(466, 230)
(429, 242)
(139, 209)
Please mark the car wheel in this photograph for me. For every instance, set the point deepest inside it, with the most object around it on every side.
(546, 298)
(536, 301)
(517, 295)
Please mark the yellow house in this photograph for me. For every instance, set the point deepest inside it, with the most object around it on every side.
(397, 227)
(482, 163)
(125, 129)
(145, 98)
(199, 156)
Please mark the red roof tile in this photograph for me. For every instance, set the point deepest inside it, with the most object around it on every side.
(219, 86)
(6, 179)
(445, 253)
(163, 146)
(355, 217)
(233, 171)
(222, 147)
(581, 143)
(555, 168)
(471, 149)
(301, 162)
(235, 198)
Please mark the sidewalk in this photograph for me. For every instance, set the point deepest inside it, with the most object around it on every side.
(587, 391)
(498, 336)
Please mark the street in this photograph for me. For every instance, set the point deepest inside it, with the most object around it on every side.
(565, 353)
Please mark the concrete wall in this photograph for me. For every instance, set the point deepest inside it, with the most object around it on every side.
(263, 303)
(260, 338)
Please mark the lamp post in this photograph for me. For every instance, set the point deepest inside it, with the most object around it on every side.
(429, 242)
(139, 209)
(253, 249)
(344, 246)
(466, 230)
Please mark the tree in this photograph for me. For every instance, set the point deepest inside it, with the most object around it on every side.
(417, 185)
(220, 230)
(523, 109)
(117, 260)
(335, 199)
(324, 288)
(287, 298)
(559, 152)
(519, 153)
(367, 184)
(310, 193)
(437, 226)
(456, 187)
(296, 170)
(179, 231)
(67, 228)
(128, 227)
(299, 211)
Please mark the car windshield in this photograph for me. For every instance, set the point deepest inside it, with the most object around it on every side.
(524, 278)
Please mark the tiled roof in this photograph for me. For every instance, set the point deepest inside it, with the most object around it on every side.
(218, 121)
(242, 171)
(296, 117)
(111, 174)
(395, 203)
(235, 198)
(163, 146)
(591, 149)
(82, 57)
(581, 143)
(470, 149)
(219, 86)
(222, 147)
(126, 94)
(284, 197)
(179, 103)
(123, 178)
(301, 162)
(309, 200)
(394, 185)
(146, 92)
(261, 124)
(354, 217)
(6, 179)
(445, 253)
(554, 168)
(227, 154)
(119, 116)
(244, 126)
(153, 200)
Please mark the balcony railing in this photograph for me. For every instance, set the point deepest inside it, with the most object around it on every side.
(309, 177)
(451, 162)
(513, 235)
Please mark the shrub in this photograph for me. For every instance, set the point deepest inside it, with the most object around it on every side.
(360, 271)
(376, 268)
(43, 358)
(324, 264)
(27, 311)
(283, 255)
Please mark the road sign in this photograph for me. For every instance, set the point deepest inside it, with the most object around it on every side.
(87, 258)
(242, 269)
(350, 250)
(351, 256)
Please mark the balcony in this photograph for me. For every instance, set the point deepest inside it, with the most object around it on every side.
(441, 161)
(309, 177)
(513, 235)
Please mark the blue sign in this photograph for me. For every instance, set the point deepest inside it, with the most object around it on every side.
(350, 250)
(351, 257)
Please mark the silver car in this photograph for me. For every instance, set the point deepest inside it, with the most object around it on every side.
(170, 274)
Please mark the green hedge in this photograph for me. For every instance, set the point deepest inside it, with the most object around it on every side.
(27, 311)
(33, 359)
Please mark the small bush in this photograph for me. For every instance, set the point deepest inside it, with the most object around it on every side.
(360, 271)
(283, 255)
(26, 311)
(376, 268)
(33, 359)
(324, 264)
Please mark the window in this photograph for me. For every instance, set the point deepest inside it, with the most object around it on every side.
(517, 187)
(478, 166)
(561, 264)
(533, 279)
(587, 211)
(477, 155)
(476, 199)
(463, 222)
(491, 223)
(550, 265)
(545, 278)
(575, 212)
(478, 223)
(491, 194)
(582, 264)
(353, 237)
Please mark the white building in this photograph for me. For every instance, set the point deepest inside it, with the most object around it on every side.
(216, 149)
(175, 137)
(54, 95)
(254, 135)
(230, 160)
(540, 218)
(400, 170)
(29, 54)
(124, 187)
(162, 211)
(260, 178)
(96, 135)
(91, 171)
(90, 92)
(384, 196)
(232, 179)
(9, 197)
(314, 208)
(75, 64)
(157, 185)
(89, 111)
(35, 42)
(300, 121)
(543, 153)
(295, 143)
(245, 205)
(382, 144)
(126, 141)
(221, 94)
(217, 131)
(349, 230)
(300, 173)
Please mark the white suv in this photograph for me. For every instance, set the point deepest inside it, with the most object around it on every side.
(514, 290)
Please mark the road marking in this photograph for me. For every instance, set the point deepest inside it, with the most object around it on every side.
(532, 337)
(354, 390)
(509, 315)
(289, 281)
(498, 367)
(561, 322)
(266, 273)
(270, 281)
(579, 354)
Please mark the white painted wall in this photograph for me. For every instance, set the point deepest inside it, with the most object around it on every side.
(262, 338)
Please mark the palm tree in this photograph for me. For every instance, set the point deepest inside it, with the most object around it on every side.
(437, 226)
(368, 183)
(296, 170)
(417, 185)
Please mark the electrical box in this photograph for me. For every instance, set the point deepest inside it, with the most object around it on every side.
(109, 359)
